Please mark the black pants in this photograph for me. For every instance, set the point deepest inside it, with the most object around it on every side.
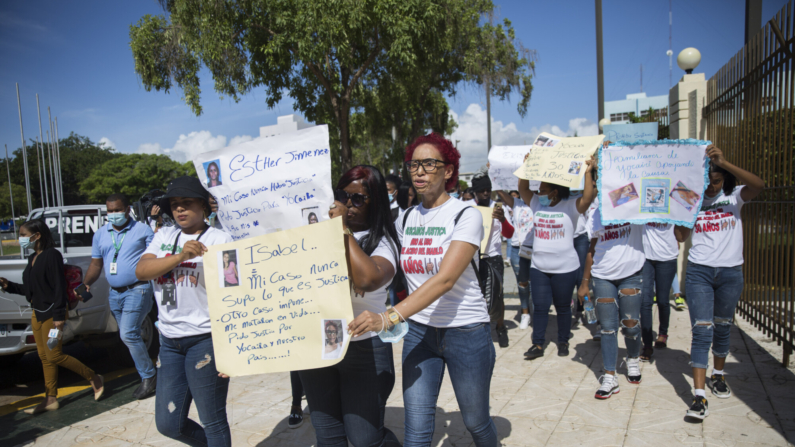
(498, 308)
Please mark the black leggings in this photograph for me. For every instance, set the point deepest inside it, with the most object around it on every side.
(298, 388)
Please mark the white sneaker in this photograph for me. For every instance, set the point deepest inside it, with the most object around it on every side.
(633, 370)
(608, 388)
(525, 321)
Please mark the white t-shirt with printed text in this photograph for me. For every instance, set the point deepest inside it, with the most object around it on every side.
(718, 233)
(553, 236)
(374, 301)
(659, 242)
(191, 315)
(522, 223)
(619, 248)
(425, 240)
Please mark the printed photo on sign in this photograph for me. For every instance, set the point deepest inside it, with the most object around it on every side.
(624, 194)
(574, 167)
(655, 195)
(333, 341)
(552, 143)
(311, 215)
(213, 172)
(541, 140)
(685, 196)
(229, 272)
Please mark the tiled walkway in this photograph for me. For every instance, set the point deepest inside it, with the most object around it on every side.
(548, 401)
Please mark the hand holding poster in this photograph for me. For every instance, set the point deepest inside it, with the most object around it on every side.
(559, 160)
(662, 182)
(503, 162)
(270, 183)
(279, 302)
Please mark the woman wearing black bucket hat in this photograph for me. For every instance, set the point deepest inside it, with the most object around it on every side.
(186, 364)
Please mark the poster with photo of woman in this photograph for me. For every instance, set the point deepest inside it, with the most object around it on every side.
(311, 215)
(228, 274)
(333, 340)
(213, 171)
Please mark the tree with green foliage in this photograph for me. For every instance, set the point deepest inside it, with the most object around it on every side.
(20, 201)
(328, 55)
(133, 175)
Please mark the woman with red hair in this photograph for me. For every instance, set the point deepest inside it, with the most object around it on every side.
(348, 400)
(444, 319)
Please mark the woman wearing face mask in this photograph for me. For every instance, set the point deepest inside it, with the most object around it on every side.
(213, 219)
(186, 366)
(44, 286)
(348, 400)
(554, 265)
(393, 183)
(523, 225)
(714, 280)
(444, 318)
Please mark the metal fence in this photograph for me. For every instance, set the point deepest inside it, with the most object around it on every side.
(749, 115)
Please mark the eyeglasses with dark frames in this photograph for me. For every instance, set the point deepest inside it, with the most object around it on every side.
(356, 199)
(429, 165)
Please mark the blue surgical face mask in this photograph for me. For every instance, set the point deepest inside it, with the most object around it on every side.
(395, 334)
(454, 195)
(117, 219)
(544, 200)
(25, 243)
(211, 216)
(391, 197)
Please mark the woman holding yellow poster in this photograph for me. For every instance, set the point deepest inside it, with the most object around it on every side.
(444, 319)
(348, 399)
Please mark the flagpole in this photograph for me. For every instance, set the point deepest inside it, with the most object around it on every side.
(54, 157)
(38, 163)
(11, 195)
(58, 148)
(44, 155)
(24, 153)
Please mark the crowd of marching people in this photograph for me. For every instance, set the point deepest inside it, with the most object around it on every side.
(442, 308)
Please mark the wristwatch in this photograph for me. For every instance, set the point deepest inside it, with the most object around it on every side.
(393, 316)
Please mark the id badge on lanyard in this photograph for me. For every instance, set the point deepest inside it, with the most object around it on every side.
(169, 287)
(113, 265)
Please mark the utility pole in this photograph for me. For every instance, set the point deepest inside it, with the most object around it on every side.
(641, 78)
(600, 75)
(488, 113)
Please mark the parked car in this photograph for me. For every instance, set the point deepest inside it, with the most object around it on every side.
(73, 229)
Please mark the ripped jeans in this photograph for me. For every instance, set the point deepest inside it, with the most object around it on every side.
(186, 373)
(712, 296)
(619, 311)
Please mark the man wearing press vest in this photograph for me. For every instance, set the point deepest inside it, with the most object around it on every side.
(117, 247)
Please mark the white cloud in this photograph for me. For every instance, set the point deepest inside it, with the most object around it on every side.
(191, 145)
(105, 141)
(472, 137)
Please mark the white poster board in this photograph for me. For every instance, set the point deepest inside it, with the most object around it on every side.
(503, 162)
(559, 160)
(270, 183)
(662, 182)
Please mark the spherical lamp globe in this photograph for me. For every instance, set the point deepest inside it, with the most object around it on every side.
(688, 59)
(604, 122)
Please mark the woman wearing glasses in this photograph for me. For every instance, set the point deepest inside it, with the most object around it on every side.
(446, 315)
(348, 399)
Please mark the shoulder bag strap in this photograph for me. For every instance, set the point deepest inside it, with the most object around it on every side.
(471, 261)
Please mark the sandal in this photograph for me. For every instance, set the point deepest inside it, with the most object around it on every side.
(662, 341)
(645, 356)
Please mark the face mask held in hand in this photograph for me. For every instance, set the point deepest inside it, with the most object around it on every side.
(397, 332)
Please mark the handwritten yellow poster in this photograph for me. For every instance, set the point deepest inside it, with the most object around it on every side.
(487, 222)
(281, 301)
(559, 160)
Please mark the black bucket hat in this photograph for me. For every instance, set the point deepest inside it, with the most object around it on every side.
(185, 186)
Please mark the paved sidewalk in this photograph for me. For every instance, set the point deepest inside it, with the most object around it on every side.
(548, 401)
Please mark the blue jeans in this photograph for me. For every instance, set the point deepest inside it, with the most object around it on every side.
(675, 285)
(509, 250)
(581, 246)
(186, 373)
(130, 309)
(712, 296)
(624, 308)
(657, 278)
(469, 355)
(521, 268)
(348, 399)
(549, 288)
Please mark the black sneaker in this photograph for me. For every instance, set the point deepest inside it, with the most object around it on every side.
(719, 387)
(563, 349)
(534, 352)
(699, 409)
(502, 336)
(296, 418)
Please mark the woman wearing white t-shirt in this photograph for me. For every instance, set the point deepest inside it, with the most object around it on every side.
(615, 261)
(714, 280)
(554, 263)
(520, 261)
(348, 399)
(186, 364)
(448, 323)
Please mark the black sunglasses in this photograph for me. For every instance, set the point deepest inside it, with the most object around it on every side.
(356, 199)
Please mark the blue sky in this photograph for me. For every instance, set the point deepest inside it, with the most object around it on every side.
(76, 56)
